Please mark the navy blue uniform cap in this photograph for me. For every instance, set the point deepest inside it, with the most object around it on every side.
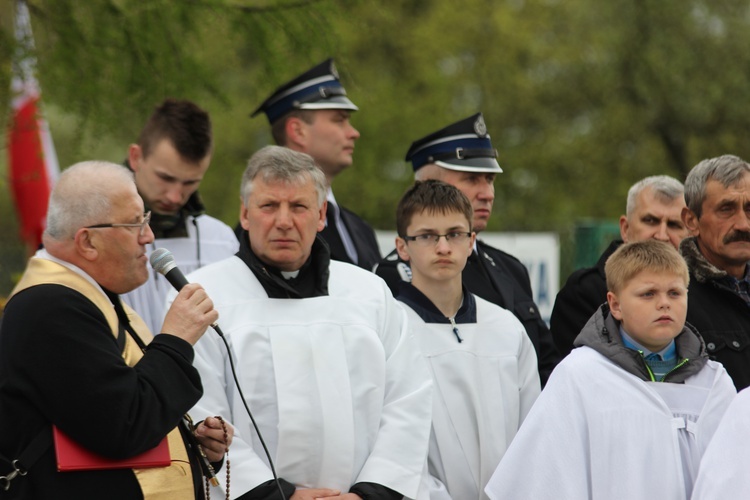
(464, 146)
(316, 88)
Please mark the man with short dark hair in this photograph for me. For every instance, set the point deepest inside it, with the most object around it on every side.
(462, 155)
(311, 114)
(653, 211)
(169, 160)
(717, 193)
(339, 391)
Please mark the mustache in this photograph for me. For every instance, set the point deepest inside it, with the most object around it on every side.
(737, 236)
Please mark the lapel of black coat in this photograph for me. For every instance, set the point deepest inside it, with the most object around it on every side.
(497, 275)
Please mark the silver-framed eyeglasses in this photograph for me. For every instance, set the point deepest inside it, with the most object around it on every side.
(142, 225)
(428, 239)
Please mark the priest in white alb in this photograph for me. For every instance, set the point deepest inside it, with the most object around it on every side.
(323, 355)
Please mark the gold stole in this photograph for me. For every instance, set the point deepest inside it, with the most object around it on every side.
(157, 483)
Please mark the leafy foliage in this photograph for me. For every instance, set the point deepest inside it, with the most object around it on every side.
(582, 98)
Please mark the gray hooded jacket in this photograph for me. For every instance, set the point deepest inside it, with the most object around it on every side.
(602, 334)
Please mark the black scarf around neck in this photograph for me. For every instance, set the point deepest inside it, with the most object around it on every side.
(312, 280)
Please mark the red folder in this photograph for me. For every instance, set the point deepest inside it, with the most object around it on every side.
(71, 456)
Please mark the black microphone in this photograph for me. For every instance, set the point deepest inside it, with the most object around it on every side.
(163, 263)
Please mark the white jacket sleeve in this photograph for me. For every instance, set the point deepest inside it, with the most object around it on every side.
(401, 445)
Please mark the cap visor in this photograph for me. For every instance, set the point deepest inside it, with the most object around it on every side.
(487, 165)
(338, 102)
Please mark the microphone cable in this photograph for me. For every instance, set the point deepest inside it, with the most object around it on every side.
(247, 409)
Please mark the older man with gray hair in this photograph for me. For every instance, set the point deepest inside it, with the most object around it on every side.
(653, 210)
(717, 192)
(74, 357)
(340, 393)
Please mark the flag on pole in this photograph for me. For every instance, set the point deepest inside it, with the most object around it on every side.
(32, 161)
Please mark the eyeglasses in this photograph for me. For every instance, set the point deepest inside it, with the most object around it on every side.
(142, 225)
(426, 240)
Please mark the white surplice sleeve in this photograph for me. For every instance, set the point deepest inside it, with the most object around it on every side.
(723, 472)
(400, 448)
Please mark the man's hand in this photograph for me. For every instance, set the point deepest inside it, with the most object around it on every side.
(210, 435)
(346, 496)
(190, 314)
(313, 493)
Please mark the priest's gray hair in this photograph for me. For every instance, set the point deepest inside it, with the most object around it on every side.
(729, 170)
(665, 188)
(280, 164)
(82, 197)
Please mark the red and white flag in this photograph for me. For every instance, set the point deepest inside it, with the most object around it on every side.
(32, 161)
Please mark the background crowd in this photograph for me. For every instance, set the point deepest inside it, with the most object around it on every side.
(575, 94)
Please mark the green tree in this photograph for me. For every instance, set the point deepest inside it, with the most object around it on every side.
(582, 98)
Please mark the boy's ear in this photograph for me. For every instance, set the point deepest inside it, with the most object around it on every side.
(614, 306)
(401, 248)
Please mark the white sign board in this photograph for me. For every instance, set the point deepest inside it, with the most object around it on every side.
(539, 252)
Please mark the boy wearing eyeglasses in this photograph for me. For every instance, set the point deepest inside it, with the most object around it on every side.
(482, 362)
